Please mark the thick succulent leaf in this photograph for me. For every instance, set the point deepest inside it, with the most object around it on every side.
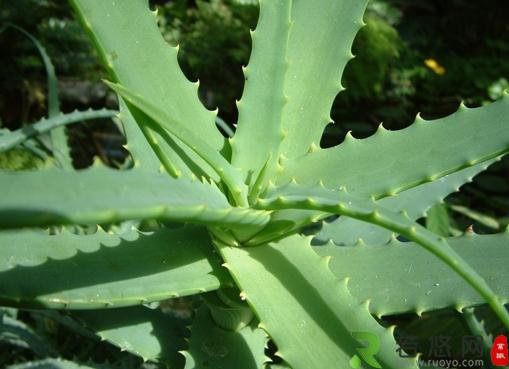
(260, 110)
(437, 220)
(415, 201)
(11, 139)
(393, 161)
(478, 328)
(165, 147)
(319, 47)
(104, 270)
(127, 38)
(214, 348)
(284, 223)
(148, 333)
(319, 314)
(142, 153)
(401, 277)
(294, 196)
(100, 195)
(230, 175)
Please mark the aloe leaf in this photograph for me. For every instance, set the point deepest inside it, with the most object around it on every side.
(142, 154)
(285, 223)
(320, 315)
(230, 175)
(104, 270)
(415, 201)
(416, 283)
(437, 220)
(484, 219)
(478, 329)
(294, 196)
(127, 37)
(148, 333)
(166, 149)
(52, 81)
(61, 151)
(215, 348)
(393, 161)
(319, 47)
(11, 139)
(260, 110)
(101, 195)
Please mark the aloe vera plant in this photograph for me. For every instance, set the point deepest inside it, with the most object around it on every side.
(244, 202)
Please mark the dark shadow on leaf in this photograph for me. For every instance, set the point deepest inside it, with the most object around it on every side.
(112, 271)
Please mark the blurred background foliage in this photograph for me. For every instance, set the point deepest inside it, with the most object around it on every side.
(413, 56)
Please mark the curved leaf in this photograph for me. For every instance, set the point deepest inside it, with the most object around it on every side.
(127, 37)
(105, 270)
(315, 327)
(294, 196)
(415, 201)
(393, 161)
(402, 277)
(11, 139)
(230, 175)
(58, 135)
(143, 155)
(100, 195)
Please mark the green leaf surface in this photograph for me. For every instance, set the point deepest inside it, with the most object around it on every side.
(437, 220)
(477, 328)
(142, 153)
(294, 196)
(400, 277)
(314, 329)
(393, 161)
(101, 195)
(214, 348)
(415, 201)
(11, 139)
(319, 47)
(260, 110)
(127, 37)
(104, 270)
(148, 333)
(230, 175)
